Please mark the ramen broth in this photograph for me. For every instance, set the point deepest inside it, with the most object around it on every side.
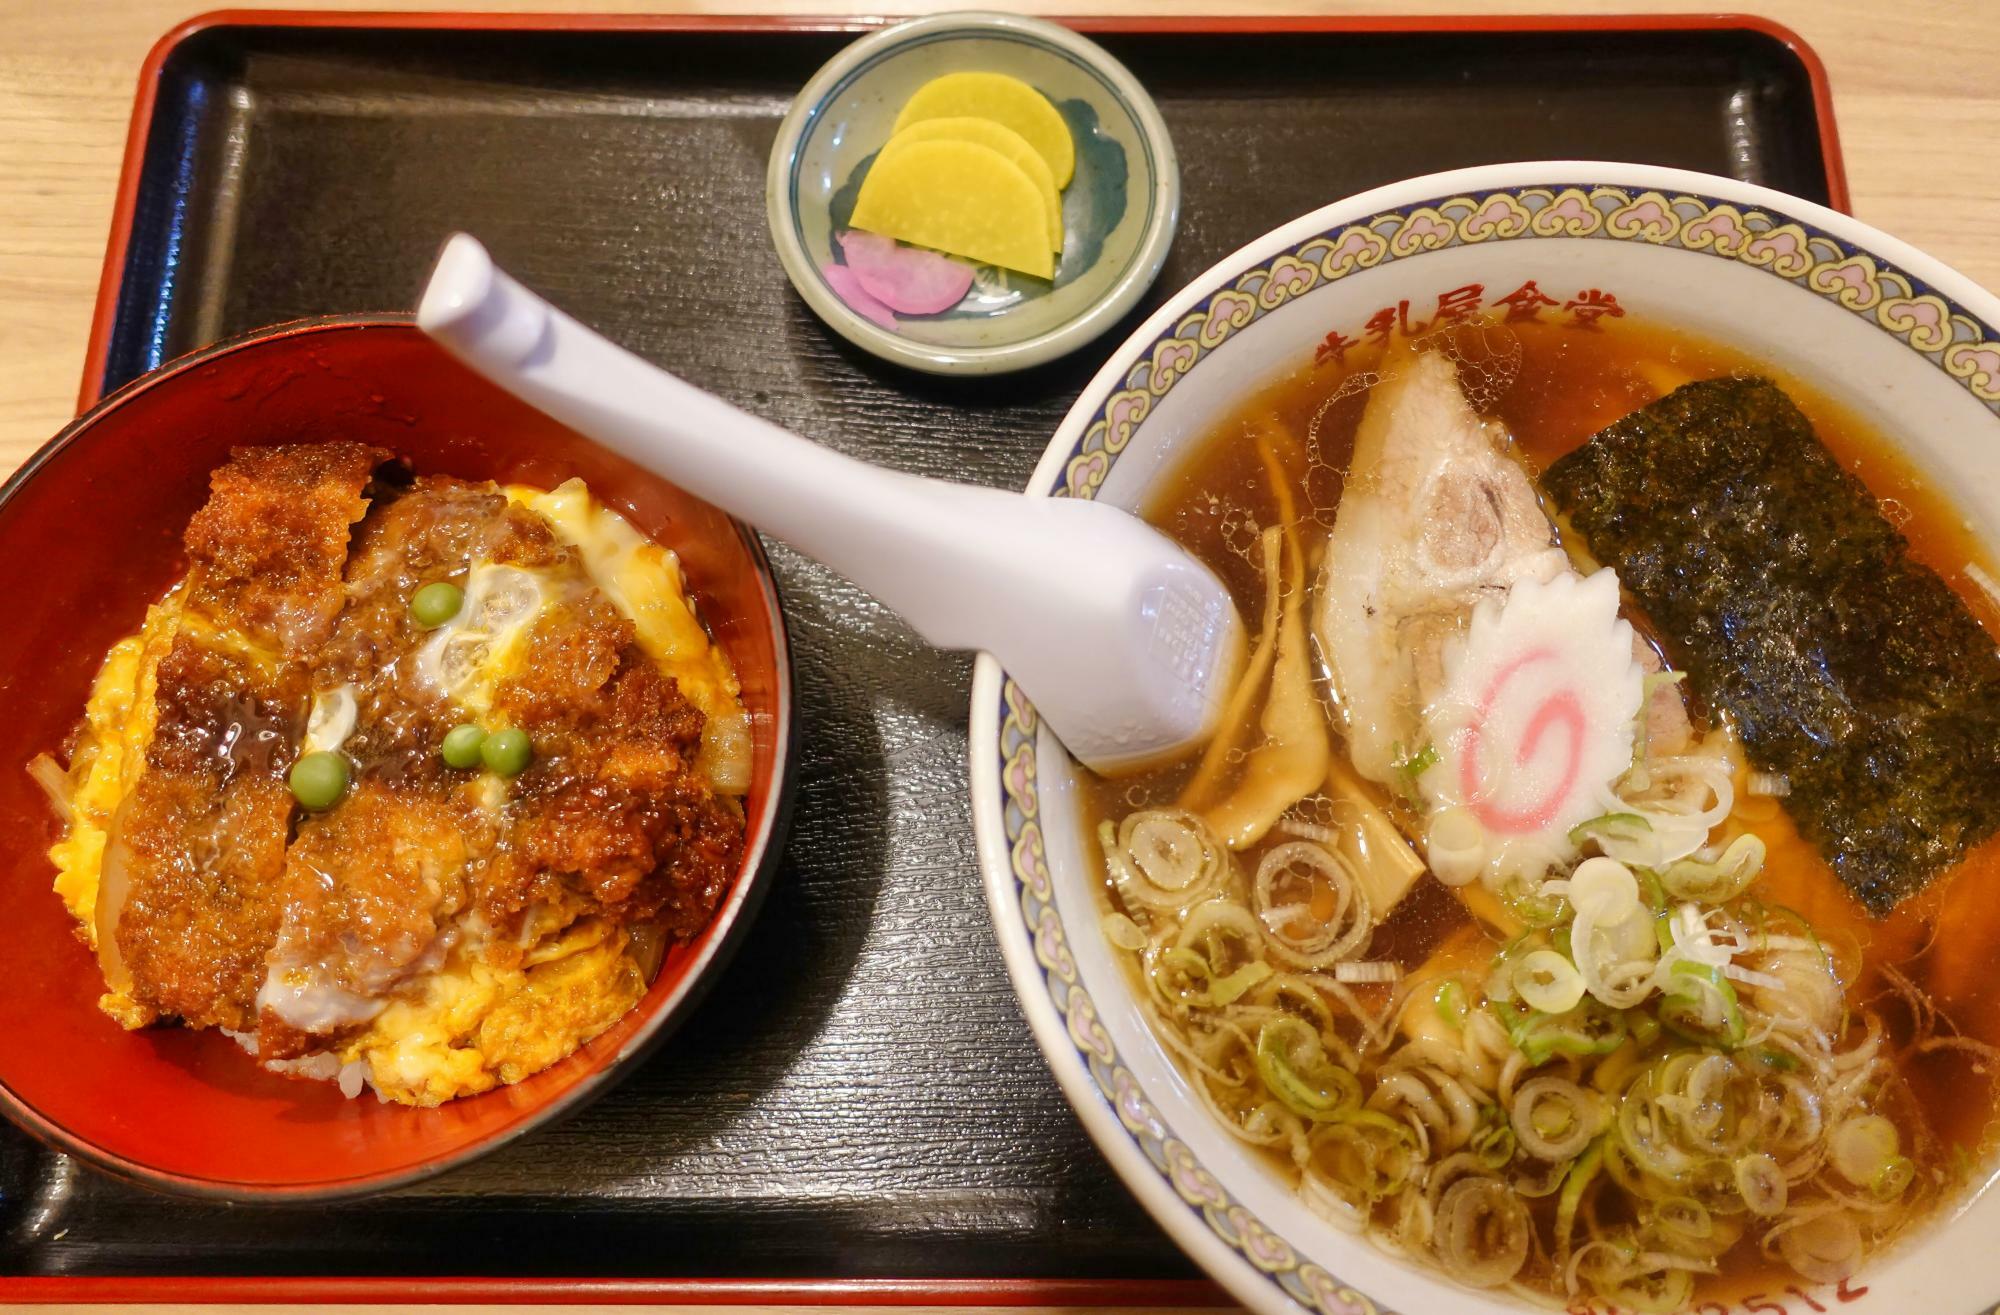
(1570, 383)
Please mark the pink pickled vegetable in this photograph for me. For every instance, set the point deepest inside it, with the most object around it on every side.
(844, 282)
(906, 279)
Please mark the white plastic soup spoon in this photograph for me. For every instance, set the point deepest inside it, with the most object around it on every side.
(1126, 644)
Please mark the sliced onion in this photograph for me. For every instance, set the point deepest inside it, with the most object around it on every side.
(1455, 843)
(1548, 982)
(55, 784)
(114, 885)
(1482, 1232)
(1711, 772)
(1324, 940)
(1978, 575)
(1164, 858)
(1750, 977)
(1768, 785)
(1554, 1118)
(1377, 970)
(331, 720)
(1303, 830)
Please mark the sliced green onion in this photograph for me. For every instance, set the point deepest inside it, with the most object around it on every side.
(1824, 1248)
(1862, 1147)
(1531, 907)
(1574, 1183)
(1455, 844)
(1684, 1219)
(1450, 1003)
(1500, 973)
(1419, 762)
(1122, 932)
(1553, 1118)
(1761, 1184)
(1699, 1004)
(1720, 881)
(1894, 1180)
(1547, 982)
(1589, 1029)
(1183, 976)
(1294, 1065)
(1228, 990)
(1408, 768)
(1662, 1291)
(1483, 1232)
(1493, 1145)
(1604, 888)
(1164, 859)
(1645, 1028)
(1610, 826)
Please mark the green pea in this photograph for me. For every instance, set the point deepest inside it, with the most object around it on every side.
(462, 745)
(436, 603)
(318, 780)
(507, 752)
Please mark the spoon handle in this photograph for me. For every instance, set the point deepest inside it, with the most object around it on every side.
(1059, 589)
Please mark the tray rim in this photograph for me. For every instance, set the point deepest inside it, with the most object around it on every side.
(1011, 1293)
(840, 1292)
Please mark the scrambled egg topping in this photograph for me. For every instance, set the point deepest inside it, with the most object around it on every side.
(643, 580)
(493, 1011)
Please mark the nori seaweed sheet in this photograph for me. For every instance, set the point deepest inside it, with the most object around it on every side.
(1793, 603)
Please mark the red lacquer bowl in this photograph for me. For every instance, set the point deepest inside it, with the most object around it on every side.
(90, 534)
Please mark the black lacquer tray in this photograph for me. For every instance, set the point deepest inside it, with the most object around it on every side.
(857, 1111)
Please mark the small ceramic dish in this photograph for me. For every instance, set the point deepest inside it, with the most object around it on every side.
(1118, 213)
(90, 530)
(1905, 344)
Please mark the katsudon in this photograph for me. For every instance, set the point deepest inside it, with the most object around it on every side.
(408, 783)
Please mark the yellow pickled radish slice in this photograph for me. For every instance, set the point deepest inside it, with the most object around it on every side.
(1007, 101)
(960, 198)
(1002, 139)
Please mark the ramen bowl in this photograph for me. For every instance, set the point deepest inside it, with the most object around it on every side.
(1909, 347)
(90, 533)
